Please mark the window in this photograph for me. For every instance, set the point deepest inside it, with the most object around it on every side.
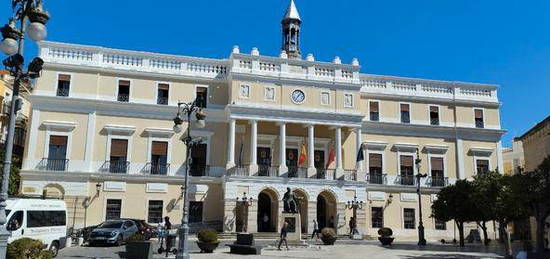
(482, 166)
(112, 211)
(374, 111)
(198, 160)
(123, 91)
(440, 225)
(159, 150)
(202, 96)
(155, 212)
(437, 171)
(348, 100)
(269, 93)
(325, 98)
(118, 160)
(405, 113)
(478, 113)
(57, 153)
(63, 85)
(434, 115)
(162, 94)
(375, 168)
(195, 211)
(377, 216)
(244, 91)
(40, 218)
(408, 219)
(407, 170)
(16, 220)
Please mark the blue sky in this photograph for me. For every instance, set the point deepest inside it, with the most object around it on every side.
(488, 41)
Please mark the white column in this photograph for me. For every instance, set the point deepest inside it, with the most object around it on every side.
(253, 147)
(282, 148)
(358, 145)
(459, 160)
(311, 150)
(231, 145)
(338, 137)
(90, 134)
(30, 159)
(500, 162)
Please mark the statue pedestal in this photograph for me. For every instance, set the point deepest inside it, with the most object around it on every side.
(294, 235)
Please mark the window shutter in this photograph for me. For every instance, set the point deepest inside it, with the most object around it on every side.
(373, 107)
(375, 160)
(437, 163)
(159, 148)
(404, 107)
(124, 83)
(479, 114)
(119, 147)
(64, 78)
(434, 109)
(58, 140)
(162, 86)
(482, 162)
(406, 160)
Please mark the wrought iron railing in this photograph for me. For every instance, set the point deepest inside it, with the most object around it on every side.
(296, 172)
(62, 92)
(268, 171)
(434, 121)
(437, 181)
(53, 164)
(156, 168)
(162, 100)
(239, 170)
(115, 167)
(123, 98)
(199, 170)
(405, 180)
(377, 178)
(374, 116)
(350, 175)
(327, 174)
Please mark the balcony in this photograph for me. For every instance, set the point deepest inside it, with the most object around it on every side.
(162, 100)
(115, 167)
(377, 178)
(327, 174)
(350, 175)
(53, 164)
(268, 171)
(437, 181)
(123, 98)
(199, 170)
(62, 92)
(239, 170)
(296, 172)
(156, 169)
(407, 180)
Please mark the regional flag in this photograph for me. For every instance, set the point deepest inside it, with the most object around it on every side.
(303, 154)
(331, 156)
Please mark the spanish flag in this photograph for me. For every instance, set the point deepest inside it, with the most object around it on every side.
(303, 154)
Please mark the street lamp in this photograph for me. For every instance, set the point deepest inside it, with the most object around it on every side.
(185, 111)
(421, 239)
(27, 13)
(245, 202)
(354, 205)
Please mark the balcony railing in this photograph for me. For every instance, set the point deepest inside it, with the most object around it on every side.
(350, 175)
(162, 100)
(53, 164)
(327, 174)
(438, 181)
(297, 172)
(156, 168)
(123, 98)
(62, 92)
(268, 171)
(405, 180)
(199, 170)
(239, 170)
(374, 178)
(115, 167)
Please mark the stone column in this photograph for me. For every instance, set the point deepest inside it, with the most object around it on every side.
(231, 145)
(311, 150)
(311, 214)
(282, 148)
(459, 160)
(361, 175)
(253, 170)
(338, 147)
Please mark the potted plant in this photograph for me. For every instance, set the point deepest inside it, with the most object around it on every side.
(138, 247)
(328, 235)
(385, 236)
(207, 240)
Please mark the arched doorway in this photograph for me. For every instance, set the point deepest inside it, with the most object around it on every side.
(53, 190)
(302, 208)
(326, 210)
(267, 211)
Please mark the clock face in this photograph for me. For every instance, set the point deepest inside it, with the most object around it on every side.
(298, 96)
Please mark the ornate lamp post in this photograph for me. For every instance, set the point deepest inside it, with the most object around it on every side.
(186, 110)
(421, 239)
(354, 205)
(32, 20)
(245, 202)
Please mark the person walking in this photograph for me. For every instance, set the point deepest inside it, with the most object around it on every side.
(284, 231)
(168, 238)
(315, 230)
(351, 226)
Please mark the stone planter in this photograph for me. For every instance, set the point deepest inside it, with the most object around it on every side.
(207, 247)
(139, 250)
(328, 240)
(386, 241)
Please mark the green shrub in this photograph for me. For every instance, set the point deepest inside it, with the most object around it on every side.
(208, 235)
(27, 248)
(328, 236)
(385, 232)
(137, 237)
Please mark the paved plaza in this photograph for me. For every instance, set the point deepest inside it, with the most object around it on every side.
(346, 249)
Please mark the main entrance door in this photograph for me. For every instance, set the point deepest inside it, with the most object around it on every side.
(267, 212)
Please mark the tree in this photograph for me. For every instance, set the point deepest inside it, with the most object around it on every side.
(486, 191)
(15, 179)
(455, 202)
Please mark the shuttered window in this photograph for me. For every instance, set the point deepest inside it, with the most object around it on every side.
(119, 147)
(406, 160)
(374, 111)
(375, 160)
(404, 107)
(58, 140)
(436, 163)
(63, 85)
(159, 148)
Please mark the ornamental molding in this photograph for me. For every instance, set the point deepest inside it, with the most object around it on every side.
(65, 126)
(119, 129)
(375, 145)
(405, 147)
(432, 148)
(159, 132)
(480, 151)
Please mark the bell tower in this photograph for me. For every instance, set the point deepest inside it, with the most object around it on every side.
(291, 31)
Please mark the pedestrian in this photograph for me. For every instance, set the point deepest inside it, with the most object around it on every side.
(168, 238)
(284, 231)
(315, 230)
(524, 253)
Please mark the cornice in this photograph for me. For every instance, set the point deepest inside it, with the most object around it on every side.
(294, 81)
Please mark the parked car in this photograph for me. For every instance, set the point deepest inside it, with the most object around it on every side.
(113, 232)
(145, 229)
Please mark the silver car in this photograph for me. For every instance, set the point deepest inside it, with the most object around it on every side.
(113, 232)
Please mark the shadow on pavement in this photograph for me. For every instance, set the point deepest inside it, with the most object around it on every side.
(446, 256)
(448, 248)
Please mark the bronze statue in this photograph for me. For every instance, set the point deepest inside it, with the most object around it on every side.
(289, 201)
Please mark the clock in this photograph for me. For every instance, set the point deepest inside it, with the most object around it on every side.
(298, 96)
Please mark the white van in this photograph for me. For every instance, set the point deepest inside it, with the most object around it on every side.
(44, 220)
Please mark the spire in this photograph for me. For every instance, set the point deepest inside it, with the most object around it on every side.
(292, 12)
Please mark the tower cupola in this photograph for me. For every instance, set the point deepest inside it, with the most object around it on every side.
(291, 31)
